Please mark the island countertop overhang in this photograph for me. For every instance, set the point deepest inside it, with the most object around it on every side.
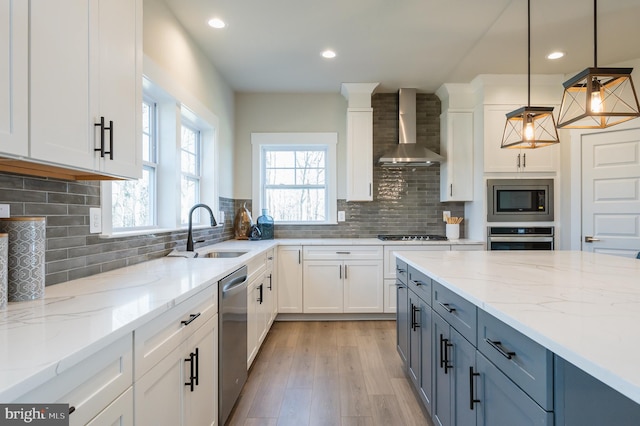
(582, 306)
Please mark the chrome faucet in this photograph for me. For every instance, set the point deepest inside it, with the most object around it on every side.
(190, 233)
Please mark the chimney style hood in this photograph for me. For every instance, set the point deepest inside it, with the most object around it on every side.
(408, 152)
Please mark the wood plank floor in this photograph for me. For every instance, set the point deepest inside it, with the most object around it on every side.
(334, 373)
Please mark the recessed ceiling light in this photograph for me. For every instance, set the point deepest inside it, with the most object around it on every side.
(555, 55)
(217, 23)
(328, 54)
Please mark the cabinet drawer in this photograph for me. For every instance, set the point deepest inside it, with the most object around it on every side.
(402, 273)
(256, 265)
(270, 257)
(90, 385)
(524, 361)
(342, 252)
(420, 284)
(504, 403)
(157, 338)
(457, 311)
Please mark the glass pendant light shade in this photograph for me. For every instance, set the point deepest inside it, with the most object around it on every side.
(598, 98)
(530, 127)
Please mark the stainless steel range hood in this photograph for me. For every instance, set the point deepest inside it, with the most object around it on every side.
(408, 152)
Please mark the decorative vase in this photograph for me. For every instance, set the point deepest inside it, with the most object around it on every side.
(25, 278)
(242, 223)
(4, 246)
(265, 223)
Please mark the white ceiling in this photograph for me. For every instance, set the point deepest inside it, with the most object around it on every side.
(275, 45)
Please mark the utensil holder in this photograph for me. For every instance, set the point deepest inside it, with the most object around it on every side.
(25, 278)
(452, 231)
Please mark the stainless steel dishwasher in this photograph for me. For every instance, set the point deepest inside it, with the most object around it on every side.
(232, 340)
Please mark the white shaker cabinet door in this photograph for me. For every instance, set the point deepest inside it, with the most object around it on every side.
(61, 54)
(363, 286)
(14, 71)
(323, 287)
(289, 284)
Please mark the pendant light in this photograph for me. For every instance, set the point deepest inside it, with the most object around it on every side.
(598, 98)
(529, 127)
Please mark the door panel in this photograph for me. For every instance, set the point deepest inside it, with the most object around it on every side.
(611, 192)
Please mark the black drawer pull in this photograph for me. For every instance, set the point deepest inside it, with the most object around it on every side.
(447, 345)
(447, 307)
(472, 399)
(190, 320)
(497, 346)
(414, 324)
(72, 409)
(343, 252)
(192, 377)
(270, 282)
(401, 271)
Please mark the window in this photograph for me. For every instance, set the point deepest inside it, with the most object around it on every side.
(176, 141)
(134, 202)
(190, 172)
(296, 179)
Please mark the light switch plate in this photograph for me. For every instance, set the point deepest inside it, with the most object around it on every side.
(95, 220)
(220, 218)
(446, 215)
(4, 210)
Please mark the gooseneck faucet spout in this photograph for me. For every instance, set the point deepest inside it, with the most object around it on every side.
(190, 233)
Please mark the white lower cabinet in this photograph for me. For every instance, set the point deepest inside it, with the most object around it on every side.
(390, 296)
(92, 386)
(176, 364)
(255, 316)
(343, 279)
(289, 279)
(118, 413)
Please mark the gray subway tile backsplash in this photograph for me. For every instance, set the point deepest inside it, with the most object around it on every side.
(406, 200)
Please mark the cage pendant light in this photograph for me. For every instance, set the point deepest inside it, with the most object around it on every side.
(598, 98)
(529, 127)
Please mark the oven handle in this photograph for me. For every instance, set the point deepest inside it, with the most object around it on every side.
(520, 239)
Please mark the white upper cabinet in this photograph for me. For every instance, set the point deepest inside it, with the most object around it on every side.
(14, 72)
(497, 159)
(85, 65)
(456, 142)
(359, 140)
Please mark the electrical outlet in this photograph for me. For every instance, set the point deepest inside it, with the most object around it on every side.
(341, 216)
(220, 219)
(95, 220)
(4, 210)
(445, 215)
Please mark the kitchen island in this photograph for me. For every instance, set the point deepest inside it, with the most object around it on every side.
(580, 306)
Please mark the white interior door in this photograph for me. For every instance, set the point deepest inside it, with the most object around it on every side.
(611, 192)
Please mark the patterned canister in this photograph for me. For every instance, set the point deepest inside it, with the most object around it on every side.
(4, 245)
(27, 239)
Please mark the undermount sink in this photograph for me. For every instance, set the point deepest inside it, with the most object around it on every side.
(223, 254)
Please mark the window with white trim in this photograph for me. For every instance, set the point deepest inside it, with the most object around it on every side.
(176, 141)
(295, 179)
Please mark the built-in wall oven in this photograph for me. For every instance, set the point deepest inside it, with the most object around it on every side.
(520, 238)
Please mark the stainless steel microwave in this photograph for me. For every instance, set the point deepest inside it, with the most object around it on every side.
(519, 200)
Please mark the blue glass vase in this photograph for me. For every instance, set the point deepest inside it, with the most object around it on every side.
(265, 224)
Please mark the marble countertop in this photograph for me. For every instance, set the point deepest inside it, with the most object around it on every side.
(42, 338)
(584, 307)
(371, 242)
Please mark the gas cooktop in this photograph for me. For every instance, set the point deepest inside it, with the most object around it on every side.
(412, 237)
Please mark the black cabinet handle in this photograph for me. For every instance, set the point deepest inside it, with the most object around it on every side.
(340, 272)
(191, 383)
(101, 125)
(518, 160)
(346, 268)
(401, 271)
(190, 320)
(497, 345)
(72, 409)
(299, 257)
(260, 296)
(524, 161)
(110, 129)
(451, 190)
(414, 324)
(197, 358)
(270, 281)
(400, 284)
(343, 252)
(447, 307)
(472, 399)
(447, 345)
(418, 283)
(442, 340)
